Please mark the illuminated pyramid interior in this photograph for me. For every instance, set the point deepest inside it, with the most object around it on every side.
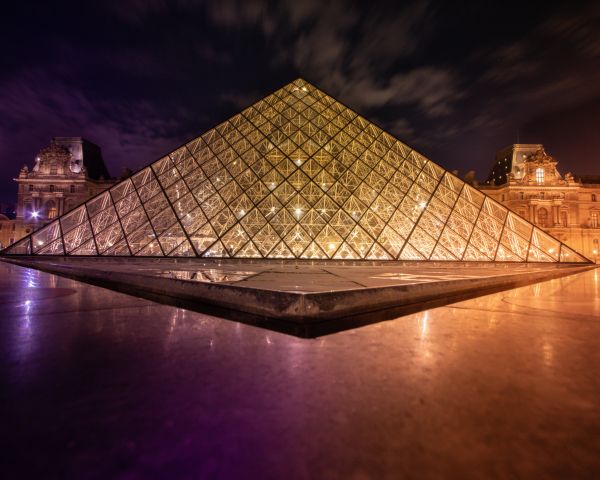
(296, 175)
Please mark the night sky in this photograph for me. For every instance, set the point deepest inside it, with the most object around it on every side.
(141, 77)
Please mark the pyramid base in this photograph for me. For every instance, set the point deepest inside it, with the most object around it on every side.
(301, 298)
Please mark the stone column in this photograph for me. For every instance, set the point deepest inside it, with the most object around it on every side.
(531, 214)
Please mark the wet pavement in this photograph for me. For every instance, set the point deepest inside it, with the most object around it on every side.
(98, 384)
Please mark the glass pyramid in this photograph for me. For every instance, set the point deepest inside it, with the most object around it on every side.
(296, 175)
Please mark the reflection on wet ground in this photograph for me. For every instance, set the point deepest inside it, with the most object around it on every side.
(211, 275)
(98, 384)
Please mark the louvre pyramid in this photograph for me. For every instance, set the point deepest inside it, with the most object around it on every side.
(296, 175)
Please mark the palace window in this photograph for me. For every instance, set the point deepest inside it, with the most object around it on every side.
(594, 220)
(564, 218)
(31, 188)
(51, 188)
(51, 210)
(539, 175)
(72, 188)
(543, 217)
(593, 197)
(542, 195)
(521, 196)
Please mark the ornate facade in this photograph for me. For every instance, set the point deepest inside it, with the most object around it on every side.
(525, 179)
(64, 175)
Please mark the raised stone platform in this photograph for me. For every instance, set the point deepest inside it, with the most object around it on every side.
(302, 298)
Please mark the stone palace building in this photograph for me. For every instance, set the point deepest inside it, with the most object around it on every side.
(64, 175)
(525, 179)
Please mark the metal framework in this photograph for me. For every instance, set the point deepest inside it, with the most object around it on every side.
(296, 175)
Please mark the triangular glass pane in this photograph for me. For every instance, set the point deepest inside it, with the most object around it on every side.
(440, 253)
(569, 255)
(378, 253)
(249, 251)
(183, 250)
(88, 248)
(281, 251)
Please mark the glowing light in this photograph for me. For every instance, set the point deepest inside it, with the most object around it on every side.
(35, 214)
(331, 246)
(423, 204)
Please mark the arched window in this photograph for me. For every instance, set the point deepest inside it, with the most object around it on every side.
(542, 217)
(542, 195)
(521, 196)
(594, 220)
(72, 188)
(539, 175)
(593, 197)
(564, 218)
(51, 211)
(51, 188)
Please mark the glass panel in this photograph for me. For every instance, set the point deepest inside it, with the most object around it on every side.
(546, 243)
(103, 219)
(54, 248)
(440, 253)
(88, 248)
(569, 255)
(519, 226)
(151, 250)
(46, 235)
(391, 241)
(141, 237)
(134, 220)
(77, 236)
(514, 243)
(109, 237)
(410, 253)
(98, 204)
(22, 247)
(183, 250)
(422, 242)
(121, 190)
(171, 238)
(484, 243)
(453, 242)
(73, 219)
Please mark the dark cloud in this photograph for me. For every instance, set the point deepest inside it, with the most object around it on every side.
(33, 108)
(140, 77)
